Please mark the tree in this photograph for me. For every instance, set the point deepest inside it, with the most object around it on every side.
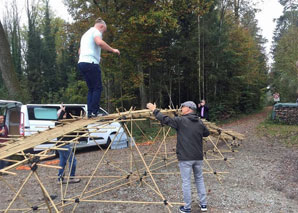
(284, 75)
(48, 54)
(12, 27)
(33, 69)
(285, 72)
(6, 67)
(167, 49)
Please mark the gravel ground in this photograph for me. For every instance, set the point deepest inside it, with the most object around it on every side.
(263, 177)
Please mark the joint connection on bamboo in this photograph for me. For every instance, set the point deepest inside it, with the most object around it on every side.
(34, 208)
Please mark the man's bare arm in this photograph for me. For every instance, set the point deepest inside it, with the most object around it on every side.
(105, 46)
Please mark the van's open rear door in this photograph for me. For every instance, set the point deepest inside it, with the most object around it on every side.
(12, 111)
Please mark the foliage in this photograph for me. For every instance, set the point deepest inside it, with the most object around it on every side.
(3, 92)
(146, 131)
(167, 49)
(48, 53)
(237, 73)
(284, 75)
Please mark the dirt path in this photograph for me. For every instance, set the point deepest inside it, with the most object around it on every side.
(263, 177)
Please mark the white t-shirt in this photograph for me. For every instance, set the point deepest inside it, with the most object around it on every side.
(89, 50)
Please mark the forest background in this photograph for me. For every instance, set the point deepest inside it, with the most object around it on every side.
(171, 51)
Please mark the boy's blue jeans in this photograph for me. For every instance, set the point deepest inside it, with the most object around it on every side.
(63, 156)
(3, 164)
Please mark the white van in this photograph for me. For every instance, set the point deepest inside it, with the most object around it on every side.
(30, 119)
(11, 110)
(39, 117)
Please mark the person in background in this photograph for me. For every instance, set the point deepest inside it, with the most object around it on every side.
(66, 154)
(203, 110)
(3, 134)
(190, 132)
(90, 51)
(3, 129)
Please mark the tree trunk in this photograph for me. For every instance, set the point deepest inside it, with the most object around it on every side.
(170, 90)
(222, 15)
(179, 84)
(203, 65)
(160, 93)
(142, 90)
(199, 57)
(236, 9)
(6, 67)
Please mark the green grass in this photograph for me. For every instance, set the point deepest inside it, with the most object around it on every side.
(148, 128)
(287, 134)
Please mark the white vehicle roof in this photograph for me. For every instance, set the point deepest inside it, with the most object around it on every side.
(66, 105)
(9, 103)
(81, 105)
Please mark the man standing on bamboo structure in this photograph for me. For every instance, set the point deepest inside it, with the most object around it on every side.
(190, 132)
(90, 51)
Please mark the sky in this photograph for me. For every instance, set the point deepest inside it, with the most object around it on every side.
(270, 10)
(60, 8)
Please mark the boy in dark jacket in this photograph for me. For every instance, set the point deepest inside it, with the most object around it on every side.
(65, 155)
(3, 134)
(189, 149)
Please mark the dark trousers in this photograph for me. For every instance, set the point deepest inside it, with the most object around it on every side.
(92, 75)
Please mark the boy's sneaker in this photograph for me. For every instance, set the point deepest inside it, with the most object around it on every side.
(74, 180)
(182, 209)
(61, 181)
(71, 180)
(203, 208)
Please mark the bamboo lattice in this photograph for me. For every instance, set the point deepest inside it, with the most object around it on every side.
(141, 169)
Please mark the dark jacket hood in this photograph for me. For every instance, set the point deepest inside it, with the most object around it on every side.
(192, 117)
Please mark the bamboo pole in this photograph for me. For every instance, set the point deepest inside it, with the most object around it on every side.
(160, 129)
(165, 144)
(148, 170)
(45, 191)
(131, 117)
(215, 147)
(15, 191)
(18, 192)
(85, 176)
(109, 189)
(23, 210)
(72, 153)
(99, 163)
(126, 202)
(163, 141)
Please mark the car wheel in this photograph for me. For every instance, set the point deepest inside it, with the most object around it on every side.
(105, 146)
(55, 153)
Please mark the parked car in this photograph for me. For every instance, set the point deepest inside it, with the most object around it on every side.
(29, 119)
